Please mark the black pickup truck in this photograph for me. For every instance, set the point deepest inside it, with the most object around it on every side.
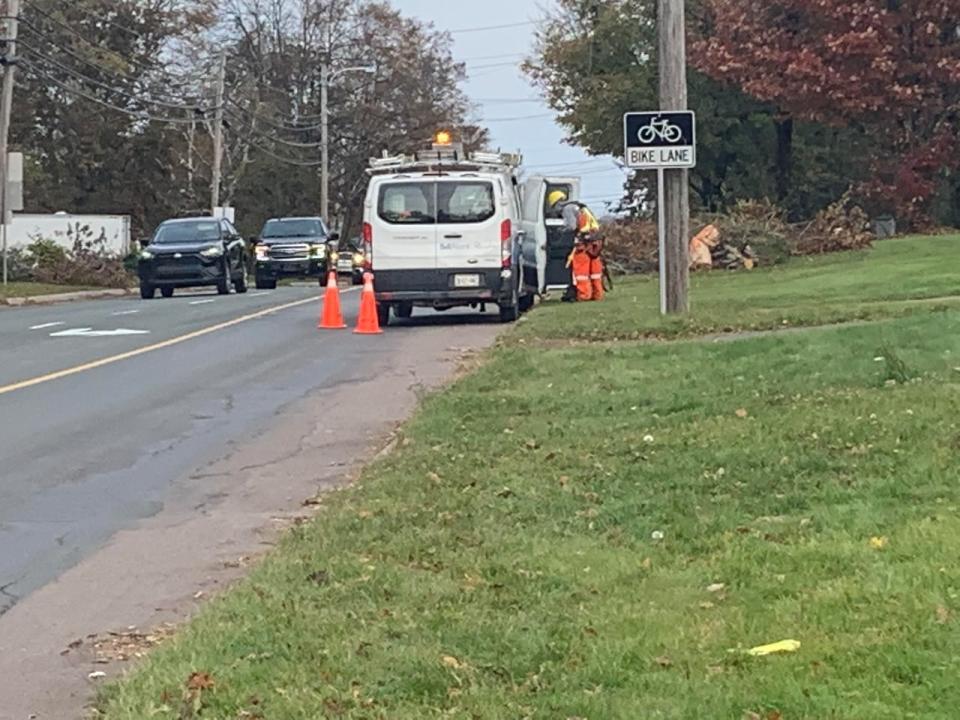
(299, 247)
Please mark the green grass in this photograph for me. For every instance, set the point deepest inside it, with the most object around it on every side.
(895, 279)
(32, 289)
(503, 562)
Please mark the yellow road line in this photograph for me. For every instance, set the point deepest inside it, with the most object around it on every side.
(149, 348)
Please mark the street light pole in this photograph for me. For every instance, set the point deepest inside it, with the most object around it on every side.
(324, 144)
(327, 77)
(218, 136)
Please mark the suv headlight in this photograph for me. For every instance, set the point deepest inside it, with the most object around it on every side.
(262, 251)
(146, 255)
(318, 250)
(212, 252)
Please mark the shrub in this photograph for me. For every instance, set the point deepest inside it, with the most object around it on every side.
(87, 263)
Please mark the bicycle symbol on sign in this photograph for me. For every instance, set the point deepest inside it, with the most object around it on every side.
(662, 129)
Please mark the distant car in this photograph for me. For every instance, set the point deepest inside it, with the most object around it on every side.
(193, 252)
(351, 261)
(298, 247)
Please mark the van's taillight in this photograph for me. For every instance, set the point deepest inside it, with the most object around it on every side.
(367, 246)
(506, 243)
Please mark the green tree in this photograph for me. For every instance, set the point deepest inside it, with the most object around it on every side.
(594, 61)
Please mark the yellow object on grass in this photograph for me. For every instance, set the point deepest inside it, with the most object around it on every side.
(783, 646)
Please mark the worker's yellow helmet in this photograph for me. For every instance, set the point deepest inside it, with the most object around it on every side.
(555, 197)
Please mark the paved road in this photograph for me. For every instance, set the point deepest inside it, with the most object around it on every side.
(94, 450)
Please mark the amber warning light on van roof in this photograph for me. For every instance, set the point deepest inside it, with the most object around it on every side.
(443, 138)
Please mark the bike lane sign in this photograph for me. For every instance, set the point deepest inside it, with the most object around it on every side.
(660, 140)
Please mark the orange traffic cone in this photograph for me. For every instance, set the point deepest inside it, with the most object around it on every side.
(369, 322)
(331, 316)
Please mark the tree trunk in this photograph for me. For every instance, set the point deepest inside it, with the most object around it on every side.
(784, 157)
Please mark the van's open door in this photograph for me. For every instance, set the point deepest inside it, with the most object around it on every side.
(553, 242)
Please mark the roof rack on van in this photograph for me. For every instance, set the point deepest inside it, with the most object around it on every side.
(446, 158)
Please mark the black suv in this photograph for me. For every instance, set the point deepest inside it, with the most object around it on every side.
(191, 252)
(294, 247)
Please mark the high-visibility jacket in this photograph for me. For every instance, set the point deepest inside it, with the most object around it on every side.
(579, 218)
(588, 222)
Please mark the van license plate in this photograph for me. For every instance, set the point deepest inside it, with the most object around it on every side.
(466, 281)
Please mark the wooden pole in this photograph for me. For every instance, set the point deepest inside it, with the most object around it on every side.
(6, 110)
(676, 199)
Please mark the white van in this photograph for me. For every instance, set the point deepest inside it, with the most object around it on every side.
(443, 230)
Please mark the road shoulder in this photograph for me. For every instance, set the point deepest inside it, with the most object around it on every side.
(226, 515)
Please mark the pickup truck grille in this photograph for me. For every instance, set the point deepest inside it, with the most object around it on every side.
(289, 252)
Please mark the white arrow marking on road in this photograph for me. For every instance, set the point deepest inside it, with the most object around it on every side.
(253, 295)
(47, 325)
(90, 332)
(202, 302)
(125, 312)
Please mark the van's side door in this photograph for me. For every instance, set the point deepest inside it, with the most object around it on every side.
(535, 245)
(403, 217)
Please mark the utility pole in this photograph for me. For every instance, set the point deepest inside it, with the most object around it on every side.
(325, 143)
(327, 77)
(676, 197)
(6, 110)
(218, 136)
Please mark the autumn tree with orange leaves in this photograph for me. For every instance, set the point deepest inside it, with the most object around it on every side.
(889, 67)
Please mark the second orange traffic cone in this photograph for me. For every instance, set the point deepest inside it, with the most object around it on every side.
(331, 317)
(368, 322)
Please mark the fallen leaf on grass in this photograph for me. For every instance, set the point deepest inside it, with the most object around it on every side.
(878, 543)
(943, 615)
(784, 646)
(663, 661)
(200, 681)
(451, 662)
(743, 413)
(716, 587)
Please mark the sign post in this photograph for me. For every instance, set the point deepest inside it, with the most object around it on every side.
(660, 141)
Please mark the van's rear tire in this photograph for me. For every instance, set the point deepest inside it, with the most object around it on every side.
(404, 311)
(527, 302)
(510, 313)
(383, 314)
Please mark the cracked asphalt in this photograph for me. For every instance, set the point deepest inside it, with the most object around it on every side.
(140, 464)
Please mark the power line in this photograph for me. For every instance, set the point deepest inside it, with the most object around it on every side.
(492, 57)
(288, 161)
(141, 115)
(112, 23)
(518, 118)
(492, 27)
(494, 65)
(261, 134)
(94, 66)
(273, 123)
(508, 101)
(105, 86)
(91, 43)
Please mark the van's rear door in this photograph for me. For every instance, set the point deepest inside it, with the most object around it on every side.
(404, 221)
(559, 238)
(468, 223)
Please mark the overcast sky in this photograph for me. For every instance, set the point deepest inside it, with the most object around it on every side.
(502, 92)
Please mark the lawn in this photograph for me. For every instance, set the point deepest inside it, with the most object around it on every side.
(601, 531)
(895, 279)
(32, 289)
